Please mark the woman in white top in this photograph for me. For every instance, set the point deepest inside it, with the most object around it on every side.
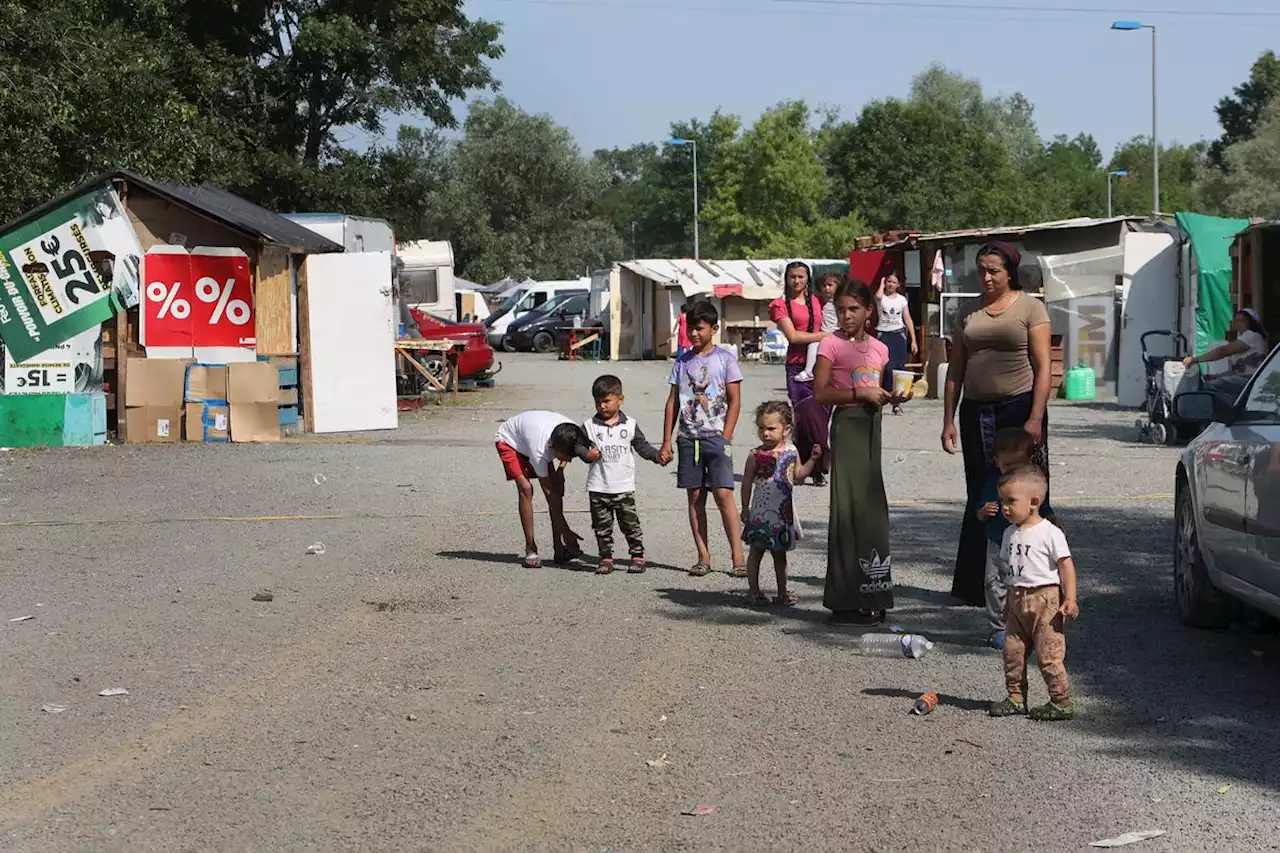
(895, 329)
(1244, 354)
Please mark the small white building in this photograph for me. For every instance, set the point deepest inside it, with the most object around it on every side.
(644, 298)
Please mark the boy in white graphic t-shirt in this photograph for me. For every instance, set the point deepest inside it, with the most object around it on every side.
(1041, 582)
(611, 480)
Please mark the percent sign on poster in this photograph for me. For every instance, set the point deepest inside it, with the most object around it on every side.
(199, 300)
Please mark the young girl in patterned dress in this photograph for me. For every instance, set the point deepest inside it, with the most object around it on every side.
(769, 521)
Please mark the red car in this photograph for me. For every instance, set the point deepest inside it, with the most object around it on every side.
(474, 360)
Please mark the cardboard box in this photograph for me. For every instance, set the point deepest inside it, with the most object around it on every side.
(155, 381)
(209, 421)
(255, 422)
(253, 390)
(253, 382)
(154, 424)
(206, 382)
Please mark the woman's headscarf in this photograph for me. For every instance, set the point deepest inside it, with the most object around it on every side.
(1010, 255)
(786, 290)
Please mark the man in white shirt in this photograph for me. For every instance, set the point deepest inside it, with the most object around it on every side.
(535, 446)
(1041, 582)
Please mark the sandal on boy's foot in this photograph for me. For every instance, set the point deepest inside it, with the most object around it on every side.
(531, 561)
(786, 599)
(758, 599)
(637, 566)
(699, 570)
(1006, 707)
(1051, 713)
(605, 567)
(738, 572)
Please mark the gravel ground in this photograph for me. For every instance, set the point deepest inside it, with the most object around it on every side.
(415, 689)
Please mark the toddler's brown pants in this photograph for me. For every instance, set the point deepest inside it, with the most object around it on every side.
(1032, 621)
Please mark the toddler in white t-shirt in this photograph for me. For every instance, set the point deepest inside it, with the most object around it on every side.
(826, 292)
(1041, 583)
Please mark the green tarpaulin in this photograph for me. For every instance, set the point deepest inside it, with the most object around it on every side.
(1211, 238)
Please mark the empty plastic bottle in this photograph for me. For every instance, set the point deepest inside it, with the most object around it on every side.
(894, 645)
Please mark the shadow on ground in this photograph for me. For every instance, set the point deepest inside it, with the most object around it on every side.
(1150, 688)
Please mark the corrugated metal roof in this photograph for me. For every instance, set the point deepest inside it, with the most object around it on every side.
(231, 210)
(1006, 230)
(752, 279)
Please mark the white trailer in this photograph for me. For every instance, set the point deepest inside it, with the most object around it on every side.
(353, 233)
(426, 277)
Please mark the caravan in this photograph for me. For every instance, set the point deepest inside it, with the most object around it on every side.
(426, 277)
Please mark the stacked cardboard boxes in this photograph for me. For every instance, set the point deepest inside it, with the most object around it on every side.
(253, 392)
(208, 412)
(153, 397)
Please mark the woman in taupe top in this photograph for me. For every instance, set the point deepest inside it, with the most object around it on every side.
(1000, 358)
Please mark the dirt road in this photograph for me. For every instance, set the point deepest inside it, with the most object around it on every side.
(415, 689)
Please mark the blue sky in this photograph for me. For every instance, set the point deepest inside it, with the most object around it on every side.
(620, 71)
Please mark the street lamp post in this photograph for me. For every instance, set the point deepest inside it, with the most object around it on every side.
(692, 143)
(1131, 26)
(1118, 173)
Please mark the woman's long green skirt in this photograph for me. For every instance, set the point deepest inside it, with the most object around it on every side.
(858, 563)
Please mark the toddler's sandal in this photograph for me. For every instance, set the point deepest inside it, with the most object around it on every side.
(637, 566)
(605, 567)
(699, 570)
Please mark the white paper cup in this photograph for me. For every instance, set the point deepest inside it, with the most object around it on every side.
(902, 382)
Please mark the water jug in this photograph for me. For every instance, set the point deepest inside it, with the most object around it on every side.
(1080, 383)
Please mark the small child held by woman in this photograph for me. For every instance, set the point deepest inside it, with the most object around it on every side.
(827, 285)
(769, 521)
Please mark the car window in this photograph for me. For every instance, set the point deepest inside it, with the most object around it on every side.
(576, 305)
(539, 298)
(1263, 401)
(419, 286)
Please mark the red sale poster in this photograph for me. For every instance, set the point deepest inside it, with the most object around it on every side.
(167, 297)
(222, 298)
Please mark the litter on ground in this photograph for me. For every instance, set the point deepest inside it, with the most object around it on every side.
(1128, 838)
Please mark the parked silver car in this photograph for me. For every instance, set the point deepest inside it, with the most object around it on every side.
(1227, 545)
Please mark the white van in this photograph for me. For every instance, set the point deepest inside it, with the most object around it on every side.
(426, 277)
(524, 298)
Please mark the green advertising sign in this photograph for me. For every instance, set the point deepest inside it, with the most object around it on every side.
(67, 271)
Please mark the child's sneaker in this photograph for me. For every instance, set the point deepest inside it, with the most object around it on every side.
(1006, 707)
(1051, 713)
(804, 376)
(996, 640)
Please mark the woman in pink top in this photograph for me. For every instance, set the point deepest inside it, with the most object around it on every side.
(798, 315)
(859, 586)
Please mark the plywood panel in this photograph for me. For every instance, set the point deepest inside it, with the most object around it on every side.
(273, 303)
(350, 348)
(158, 221)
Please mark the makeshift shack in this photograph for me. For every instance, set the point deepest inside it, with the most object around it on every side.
(1105, 282)
(1255, 279)
(644, 298)
(225, 280)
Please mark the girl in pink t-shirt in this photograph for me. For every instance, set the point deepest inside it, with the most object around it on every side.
(859, 587)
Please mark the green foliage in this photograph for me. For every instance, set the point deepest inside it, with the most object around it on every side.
(1006, 117)
(1179, 167)
(1249, 185)
(924, 166)
(1239, 115)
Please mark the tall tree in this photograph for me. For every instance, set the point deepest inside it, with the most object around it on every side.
(770, 187)
(1249, 185)
(1180, 165)
(1008, 117)
(1067, 179)
(520, 198)
(924, 166)
(1240, 113)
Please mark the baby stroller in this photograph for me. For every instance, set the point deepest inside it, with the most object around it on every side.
(1166, 378)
